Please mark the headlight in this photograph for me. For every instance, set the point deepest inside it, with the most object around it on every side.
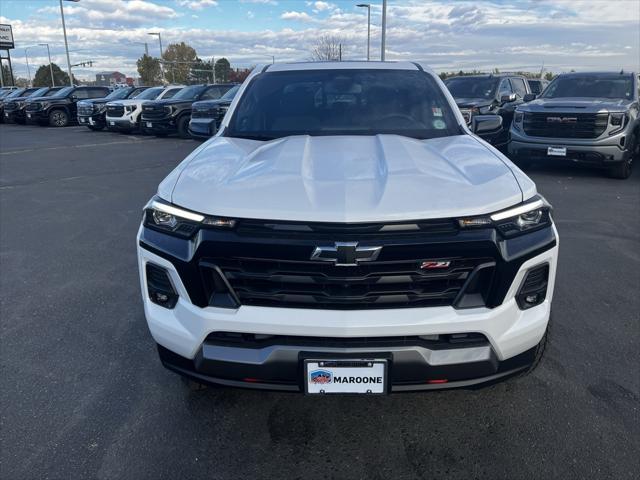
(129, 108)
(20, 104)
(100, 108)
(531, 215)
(618, 120)
(518, 118)
(161, 215)
(168, 109)
(44, 105)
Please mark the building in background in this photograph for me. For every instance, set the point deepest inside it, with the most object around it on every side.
(107, 79)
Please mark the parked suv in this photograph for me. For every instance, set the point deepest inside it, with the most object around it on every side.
(124, 115)
(60, 109)
(92, 113)
(345, 232)
(14, 109)
(208, 114)
(590, 118)
(495, 94)
(163, 117)
(10, 95)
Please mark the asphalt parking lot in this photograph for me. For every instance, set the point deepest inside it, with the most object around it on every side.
(84, 396)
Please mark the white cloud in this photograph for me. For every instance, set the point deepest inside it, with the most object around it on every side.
(250, 14)
(322, 6)
(197, 4)
(302, 16)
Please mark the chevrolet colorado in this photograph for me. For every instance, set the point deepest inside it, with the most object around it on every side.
(345, 232)
(588, 118)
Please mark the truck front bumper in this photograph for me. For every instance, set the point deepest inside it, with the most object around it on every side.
(121, 124)
(38, 116)
(97, 120)
(163, 126)
(599, 152)
(188, 344)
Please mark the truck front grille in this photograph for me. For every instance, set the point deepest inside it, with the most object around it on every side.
(565, 125)
(33, 106)
(115, 110)
(85, 110)
(152, 112)
(10, 106)
(275, 282)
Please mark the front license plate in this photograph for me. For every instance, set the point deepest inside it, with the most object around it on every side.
(28, 115)
(557, 151)
(83, 120)
(360, 376)
(112, 123)
(149, 124)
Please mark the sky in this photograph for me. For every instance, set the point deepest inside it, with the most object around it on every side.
(448, 35)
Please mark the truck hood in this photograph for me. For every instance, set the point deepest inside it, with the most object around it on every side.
(345, 179)
(133, 101)
(472, 102)
(577, 105)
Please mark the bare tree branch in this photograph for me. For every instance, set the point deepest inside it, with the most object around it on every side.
(328, 48)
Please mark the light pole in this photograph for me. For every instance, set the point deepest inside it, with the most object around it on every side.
(53, 82)
(66, 45)
(28, 70)
(160, 42)
(384, 29)
(368, 7)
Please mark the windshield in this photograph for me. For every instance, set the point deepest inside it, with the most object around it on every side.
(536, 86)
(343, 102)
(150, 93)
(472, 87)
(39, 92)
(51, 92)
(64, 92)
(189, 93)
(15, 93)
(230, 93)
(596, 86)
(118, 94)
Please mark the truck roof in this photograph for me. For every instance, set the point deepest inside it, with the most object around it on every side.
(349, 65)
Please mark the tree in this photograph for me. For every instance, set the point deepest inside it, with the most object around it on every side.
(328, 48)
(548, 76)
(223, 67)
(178, 59)
(6, 76)
(149, 70)
(43, 76)
(201, 71)
(239, 75)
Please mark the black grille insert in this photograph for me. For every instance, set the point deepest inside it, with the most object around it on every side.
(312, 284)
(565, 125)
(115, 110)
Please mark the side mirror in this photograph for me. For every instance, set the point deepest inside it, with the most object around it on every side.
(529, 96)
(484, 124)
(508, 98)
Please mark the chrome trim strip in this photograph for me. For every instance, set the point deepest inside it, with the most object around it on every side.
(512, 212)
(178, 212)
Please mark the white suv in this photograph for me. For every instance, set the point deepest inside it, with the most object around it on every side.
(345, 232)
(124, 115)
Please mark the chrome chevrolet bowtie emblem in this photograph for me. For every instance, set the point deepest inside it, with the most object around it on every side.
(346, 254)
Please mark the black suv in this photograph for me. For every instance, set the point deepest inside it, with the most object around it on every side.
(7, 97)
(489, 94)
(207, 114)
(163, 117)
(60, 109)
(93, 112)
(14, 107)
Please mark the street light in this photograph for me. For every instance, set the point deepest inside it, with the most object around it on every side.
(160, 42)
(53, 82)
(368, 7)
(384, 30)
(66, 45)
(28, 70)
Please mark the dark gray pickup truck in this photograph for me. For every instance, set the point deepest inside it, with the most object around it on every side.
(590, 118)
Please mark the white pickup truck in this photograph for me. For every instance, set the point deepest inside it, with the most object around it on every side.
(346, 232)
(124, 115)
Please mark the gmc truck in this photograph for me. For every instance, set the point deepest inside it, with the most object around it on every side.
(208, 114)
(345, 232)
(14, 108)
(60, 110)
(583, 118)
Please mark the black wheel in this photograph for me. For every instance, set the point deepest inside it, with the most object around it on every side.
(623, 169)
(58, 118)
(192, 384)
(183, 127)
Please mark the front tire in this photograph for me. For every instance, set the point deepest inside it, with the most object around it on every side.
(58, 118)
(183, 127)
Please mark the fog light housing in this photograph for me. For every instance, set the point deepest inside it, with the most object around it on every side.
(533, 290)
(159, 286)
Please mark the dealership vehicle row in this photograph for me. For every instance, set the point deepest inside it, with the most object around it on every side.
(584, 118)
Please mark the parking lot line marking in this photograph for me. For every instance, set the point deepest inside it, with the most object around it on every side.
(88, 145)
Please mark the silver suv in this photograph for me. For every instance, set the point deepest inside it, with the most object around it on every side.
(590, 118)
